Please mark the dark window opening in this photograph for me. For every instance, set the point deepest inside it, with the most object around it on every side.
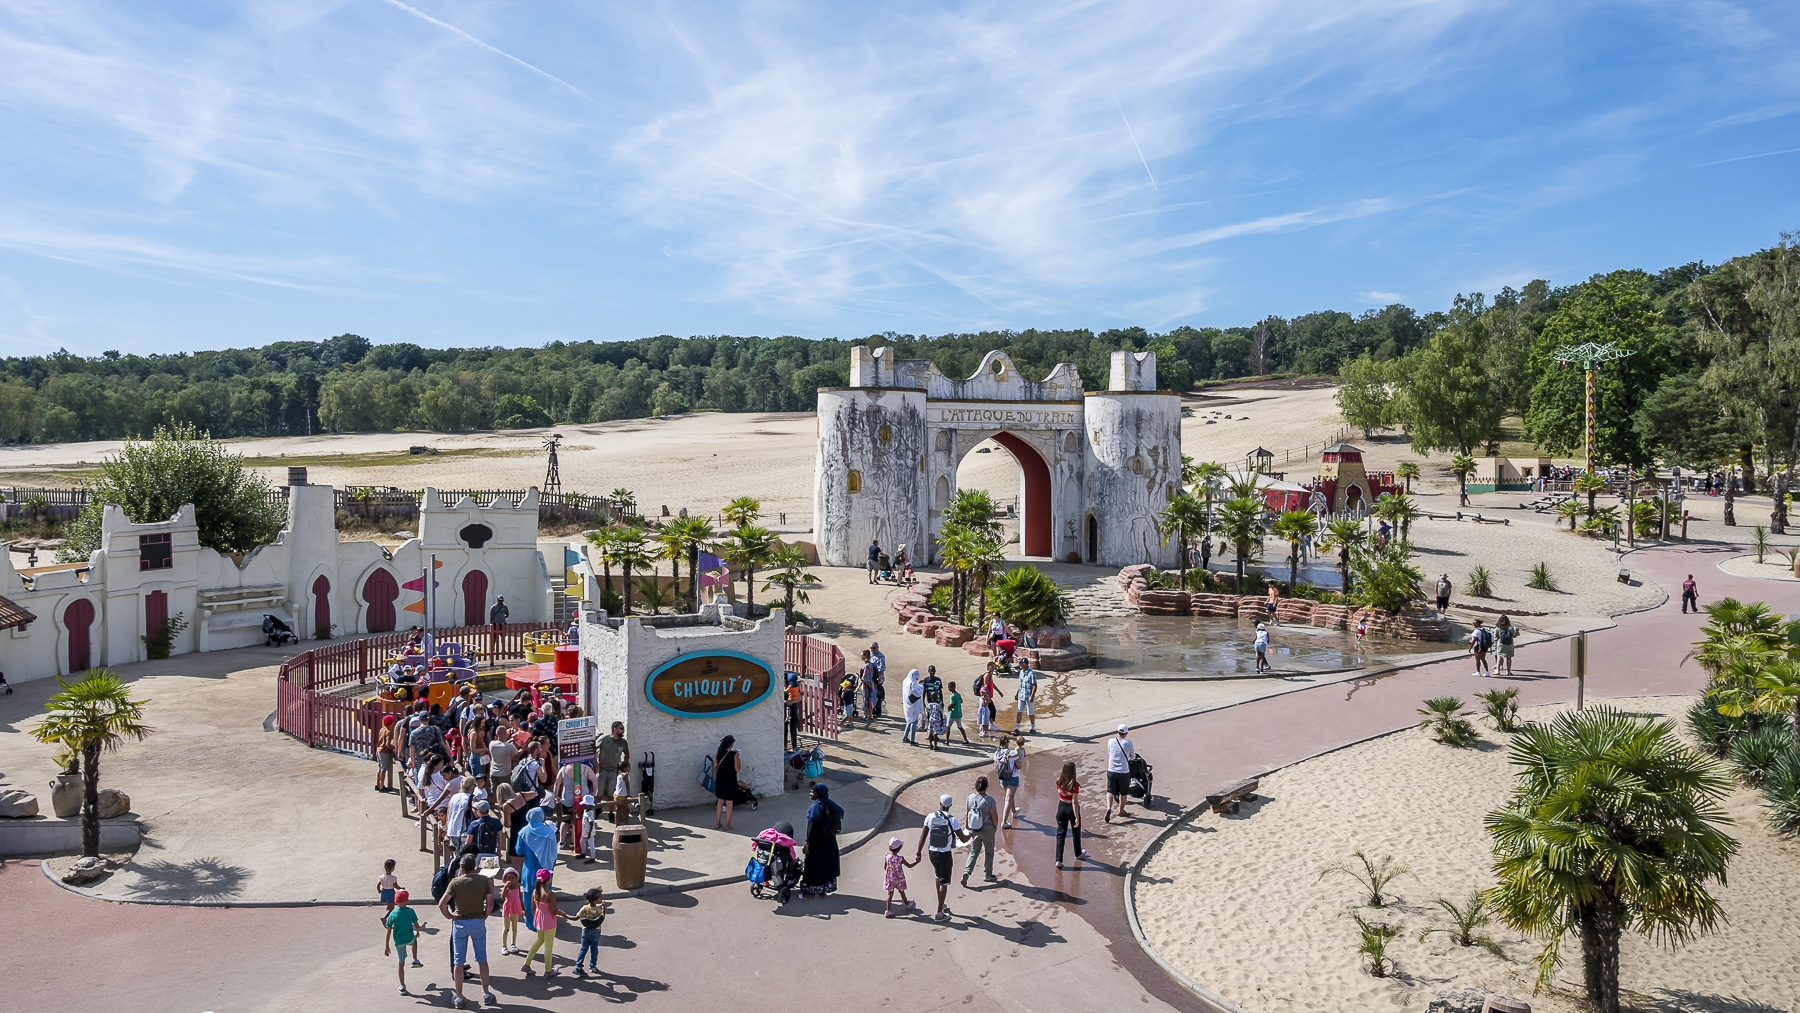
(155, 552)
(475, 535)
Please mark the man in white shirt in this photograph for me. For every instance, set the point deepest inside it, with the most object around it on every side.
(456, 817)
(941, 834)
(1119, 754)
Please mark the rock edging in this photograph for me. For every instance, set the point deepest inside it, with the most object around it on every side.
(1414, 622)
(1055, 649)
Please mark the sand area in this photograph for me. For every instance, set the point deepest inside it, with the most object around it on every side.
(1237, 902)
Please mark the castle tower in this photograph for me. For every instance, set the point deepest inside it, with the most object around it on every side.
(1133, 465)
(870, 464)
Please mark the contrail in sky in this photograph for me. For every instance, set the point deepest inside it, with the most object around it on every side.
(447, 26)
(1742, 158)
(1134, 142)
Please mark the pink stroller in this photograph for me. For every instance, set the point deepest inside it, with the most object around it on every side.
(774, 863)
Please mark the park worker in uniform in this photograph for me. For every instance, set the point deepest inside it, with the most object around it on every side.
(467, 903)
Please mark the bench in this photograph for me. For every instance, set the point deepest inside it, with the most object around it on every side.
(1225, 800)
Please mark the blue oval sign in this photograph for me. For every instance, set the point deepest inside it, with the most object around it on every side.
(709, 685)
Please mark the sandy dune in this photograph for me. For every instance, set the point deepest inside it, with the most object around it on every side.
(1277, 937)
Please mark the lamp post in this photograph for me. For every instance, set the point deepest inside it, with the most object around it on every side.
(1590, 356)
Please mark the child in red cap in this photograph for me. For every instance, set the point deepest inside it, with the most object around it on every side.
(402, 931)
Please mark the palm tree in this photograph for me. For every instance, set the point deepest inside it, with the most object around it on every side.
(1462, 466)
(1348, 536)
(1400, 511)
(1570, 509)
(741, 511)
(1292, 527)
(689, 534)
(671, 548)
(1208, 475)
(1613, 824)
(790, 572)
(602, 541)
(987, 559)
(1183, 517)
(96, 715)
(629, 548)
(972, 509)
(1591, 484)
(1241, 522)
(957, 548)
(625, 498)
(1407, 471)
(748, 547)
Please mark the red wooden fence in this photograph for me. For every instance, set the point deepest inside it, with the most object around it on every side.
(310, 706)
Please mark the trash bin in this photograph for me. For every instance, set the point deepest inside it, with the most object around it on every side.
(630, 850)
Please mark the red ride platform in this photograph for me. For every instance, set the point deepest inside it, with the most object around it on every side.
(543, 674)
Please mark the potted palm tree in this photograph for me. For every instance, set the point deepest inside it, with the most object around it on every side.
(96, 715)
(1292, 527)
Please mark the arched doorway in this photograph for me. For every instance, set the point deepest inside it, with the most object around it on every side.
(474, 588)
(156, 612)
(321, 590)
(78, 619)
(379, 591)
(1093, 538)
(1353, 500)
(1034, 525)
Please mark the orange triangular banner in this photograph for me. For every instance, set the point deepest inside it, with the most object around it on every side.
(418, 606)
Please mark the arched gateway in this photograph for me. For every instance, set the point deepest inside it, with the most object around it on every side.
(1096, 467)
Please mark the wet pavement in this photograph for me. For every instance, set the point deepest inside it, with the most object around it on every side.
(1180, 647)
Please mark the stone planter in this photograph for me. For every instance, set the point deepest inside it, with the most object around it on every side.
(65, 795)
(1165, 603)
(1296, 610)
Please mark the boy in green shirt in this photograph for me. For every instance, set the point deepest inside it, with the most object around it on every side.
(591, 917)
(954, 713)
(402, 931)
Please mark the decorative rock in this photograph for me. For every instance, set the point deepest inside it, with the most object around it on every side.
(1505, 1004)
(954, 636)
(16, 803)
(86, 870)
(1332, 617)
(1461, 1000)
(1057, 659)
(1252, 607)
(1165, 603)
(113, 802)
(1295, 610)
(978, 648)
(1131, 573)
(65, 795)
(1218, 606)
(1050, 636)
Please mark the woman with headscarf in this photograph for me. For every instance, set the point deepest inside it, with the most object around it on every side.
(537, 845)
(912, 700)
(824, 821)
(727, 787)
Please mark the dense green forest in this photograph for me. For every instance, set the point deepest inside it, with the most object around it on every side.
(1713, 373)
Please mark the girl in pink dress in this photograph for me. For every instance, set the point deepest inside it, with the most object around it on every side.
(512, 908)
(895, 879)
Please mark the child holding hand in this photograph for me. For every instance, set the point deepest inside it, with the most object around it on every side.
(895, 867)
(591, 916)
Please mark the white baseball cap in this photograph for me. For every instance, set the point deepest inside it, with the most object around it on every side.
(946, 800)
(1123, 729)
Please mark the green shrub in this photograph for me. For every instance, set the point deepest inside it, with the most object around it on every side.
(1026, 598)
(1373, 945)
(1481, 583)
(1502, 707)
(158, 645)
(1448, 722)
(1755, 754)
(1715, 731)
(1781, 789)
(939, 600)
(1541, 580)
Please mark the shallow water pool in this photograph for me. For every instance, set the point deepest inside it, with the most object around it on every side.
(1174, 647)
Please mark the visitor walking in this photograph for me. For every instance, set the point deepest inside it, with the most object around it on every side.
(941, 833)
(867, 678)
(466, 903)
(936, 727)
(980, 818)
(1026, 697)
(1119, 754)
(1443, 594)
(387, 886)
(1262, 648)
(612, 763)
(591, 915)
(402, 934)
(1068, 811)
(1205, 553)
(953, 715)
(984, 693)
(880, 661)
(791, 698)
(544, 915)
(893, 877)
(1690, 595)
(912, 707)
(1273, 602)
(512, 909)
(1009, 759)
(824, 821)
(1480, 640)
(384, 754)
(1504, 635)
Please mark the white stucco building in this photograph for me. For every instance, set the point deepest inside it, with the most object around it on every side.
(97, 614)
(1096, 467)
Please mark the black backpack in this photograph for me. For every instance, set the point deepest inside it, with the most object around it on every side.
(441, 883)
(939, 830)
(484, 835)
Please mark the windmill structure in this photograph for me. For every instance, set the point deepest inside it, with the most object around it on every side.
(552, 471)
(1590, 356)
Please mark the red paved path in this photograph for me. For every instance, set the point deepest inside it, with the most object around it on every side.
(1041, 941)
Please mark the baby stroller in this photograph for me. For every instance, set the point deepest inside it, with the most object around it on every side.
(1141, 779)
(885, 567)
(275, 631)
(774, 864)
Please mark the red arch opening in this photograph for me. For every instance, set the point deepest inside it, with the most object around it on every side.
(474, 587)
(379, 591)
(77, 619)
(1035, 526)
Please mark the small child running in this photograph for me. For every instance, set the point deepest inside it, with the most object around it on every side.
(955, 714)
(402, 932)
(1362, 629)
(1262, 648)
(895, 868)
(387, 886)
(591, 916)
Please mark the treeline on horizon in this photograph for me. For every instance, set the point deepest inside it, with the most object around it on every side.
(1495, 353)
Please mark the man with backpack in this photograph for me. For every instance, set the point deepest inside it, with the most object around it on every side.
(483, 834)
(941, 834)
(981, 827)
(1480, 642)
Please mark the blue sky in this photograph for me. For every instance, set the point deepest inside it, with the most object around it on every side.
(204, 175)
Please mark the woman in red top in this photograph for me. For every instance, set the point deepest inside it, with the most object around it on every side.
(1068, 811)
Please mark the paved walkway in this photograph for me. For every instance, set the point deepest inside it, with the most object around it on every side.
(1040, 940)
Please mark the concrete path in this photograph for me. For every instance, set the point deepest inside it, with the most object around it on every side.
(1040, 940)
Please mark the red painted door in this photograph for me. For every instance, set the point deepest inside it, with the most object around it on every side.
(474, 598)
(379, 591)
(321, 607)
(156, 612)
(78, 619)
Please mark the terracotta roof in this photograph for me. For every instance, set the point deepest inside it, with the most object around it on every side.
(14, 614)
